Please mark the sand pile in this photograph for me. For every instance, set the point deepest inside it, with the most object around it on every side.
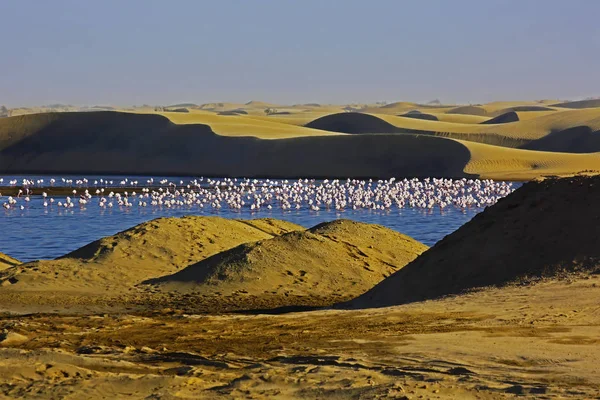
(6, 261)
(507, 117)
(155, 248)
(341, 258)
(549, 229)
(353, 122)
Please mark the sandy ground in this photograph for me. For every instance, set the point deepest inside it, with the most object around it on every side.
(537, 341)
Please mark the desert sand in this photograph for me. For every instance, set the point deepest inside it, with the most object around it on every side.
(212, 264)
(506, 306)
(517, 140)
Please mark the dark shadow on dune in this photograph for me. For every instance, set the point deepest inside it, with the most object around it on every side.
(233, 112)
(123, 143)
(520, 109)
(593, 103)
(468, 110)
(419, 115)
(353, 122)
(543, 229)
(579, 139)
(510, 116)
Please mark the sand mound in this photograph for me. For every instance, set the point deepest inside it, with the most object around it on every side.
(544, 229)
(6, 261)
(341, 258)
(507, 117)
(471, 110)
(151, 249)
(593, 103)
(580, 139)
(521, 109)
(352, 122)
(419, 115)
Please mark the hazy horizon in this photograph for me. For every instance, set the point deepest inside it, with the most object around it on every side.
(151, 52)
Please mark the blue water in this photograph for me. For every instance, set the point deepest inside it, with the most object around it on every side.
(37, 232)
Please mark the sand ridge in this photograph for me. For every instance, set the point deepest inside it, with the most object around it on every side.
(544, 230)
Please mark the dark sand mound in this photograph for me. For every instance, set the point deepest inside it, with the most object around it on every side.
(469, 110)
(336, 260)
(233, 112)
(352, 122)
(507, 117)
(123, 143)
(544, 229)
(521, 109)
(151, 249)
(419, 115)
(593, 103)
(580, 139)
(6, 261)
(183, 105)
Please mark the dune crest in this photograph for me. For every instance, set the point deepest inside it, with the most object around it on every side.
(545, 229)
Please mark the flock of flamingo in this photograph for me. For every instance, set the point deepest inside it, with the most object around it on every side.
(258, 194)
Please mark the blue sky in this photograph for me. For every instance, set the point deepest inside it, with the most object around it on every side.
(163, 52)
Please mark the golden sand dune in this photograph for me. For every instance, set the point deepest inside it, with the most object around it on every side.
(469, 110)
(516, 134)
(211, 264)
(503, 163)
(7, 261)
(336, 259)
(105, 142)
(158, 247)
(113, 142)
(521, 109)
(593, 103)
(545, 229)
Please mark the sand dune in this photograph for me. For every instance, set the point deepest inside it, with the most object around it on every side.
(151, 144)
(516, 134)
(521, 109)
(7, 261)
(419, 115)
(212, 264)
(353, 122)
(155, 248)
(471, 110)
(504, 118)
(593, 103)
(336, 259)
(545, 229)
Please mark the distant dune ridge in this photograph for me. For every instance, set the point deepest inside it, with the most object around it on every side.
(591, 103)
(544, 229)
(500, 140)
